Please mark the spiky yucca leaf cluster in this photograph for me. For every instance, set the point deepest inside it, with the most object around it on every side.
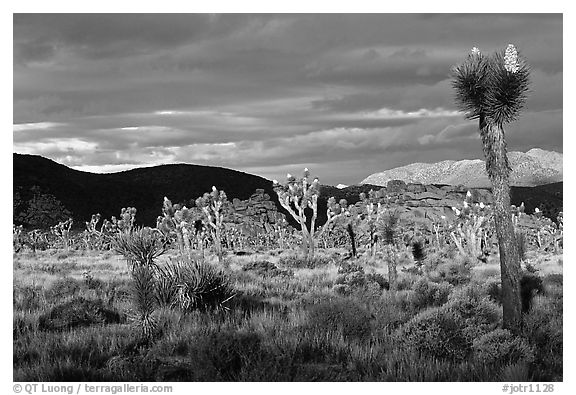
(140, 246)
(191, 284)
(492, 88)
(388, 226)
(472, 82)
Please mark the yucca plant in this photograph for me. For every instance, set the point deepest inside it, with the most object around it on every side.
(192, 285)
(493, 90)
(140, 246)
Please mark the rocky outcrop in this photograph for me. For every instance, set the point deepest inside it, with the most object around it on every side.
(257, 209)
(428, 203)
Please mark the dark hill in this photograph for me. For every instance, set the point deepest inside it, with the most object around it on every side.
(88, 193)
(85, 193)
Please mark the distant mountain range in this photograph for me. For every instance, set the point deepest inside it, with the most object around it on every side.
(535, 167)
(85, 193)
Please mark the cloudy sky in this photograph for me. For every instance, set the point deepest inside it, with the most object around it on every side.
(346, 95)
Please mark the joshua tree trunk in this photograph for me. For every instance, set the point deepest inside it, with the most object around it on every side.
(352, 239)
(498, 170)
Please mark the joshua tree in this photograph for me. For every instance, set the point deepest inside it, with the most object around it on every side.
(212, 205)
(296, 196)
(493, 90)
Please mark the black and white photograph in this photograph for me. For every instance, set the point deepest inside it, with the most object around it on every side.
(287, 197)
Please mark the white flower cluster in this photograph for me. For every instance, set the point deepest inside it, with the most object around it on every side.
(475, 51)
(511, 59)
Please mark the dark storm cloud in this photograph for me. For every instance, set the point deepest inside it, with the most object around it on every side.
(348, 94)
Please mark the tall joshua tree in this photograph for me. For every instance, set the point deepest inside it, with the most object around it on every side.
(493, 90)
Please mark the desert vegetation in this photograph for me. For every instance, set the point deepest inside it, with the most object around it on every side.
(467, 290)
(381, 298)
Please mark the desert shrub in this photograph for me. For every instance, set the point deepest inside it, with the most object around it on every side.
(62, 287)
(405, 282)
(77, 312)
(391, 310)
(90, 282)
(378, 279)
(343, 315)
(455, 272)
(140, 246)
(22, 323)
(426, 293)
(553, 279)
(342, 289)
(301, 262)
(500, 347)
(415, 270)
(27, 297)
(449, 330)
(352, 279)
(193, 284)
(436, 333)
(349, 267)
(222, 355)
(544, 330)
(266, 269)
(477, 313)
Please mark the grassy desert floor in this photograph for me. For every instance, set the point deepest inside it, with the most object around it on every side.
(290, 324)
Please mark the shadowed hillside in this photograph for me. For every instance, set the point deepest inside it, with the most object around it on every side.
(85, 193)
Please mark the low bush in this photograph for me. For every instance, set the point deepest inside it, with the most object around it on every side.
(477, 313)
(352, 279)
(222, 355)
(455, 272)
(500, 347)
(61, 288)
(341, 315)
(266, 269)
(427, 294)
(301, 262)
(449, 330)
(391, 310)
(78, 312)
(543, 328)
(436, 333)
(27, 297)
